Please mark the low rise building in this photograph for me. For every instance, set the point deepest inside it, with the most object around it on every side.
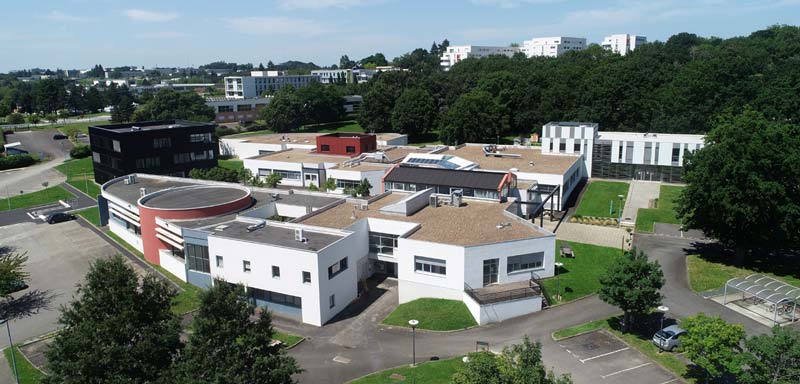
(259, 82)
(552, 46)
(456, 53)
(623, 43)
(236, 110)
(253, 145)
(334, 76)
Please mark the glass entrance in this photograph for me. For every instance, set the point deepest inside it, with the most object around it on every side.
(312, 178)
(490, 271)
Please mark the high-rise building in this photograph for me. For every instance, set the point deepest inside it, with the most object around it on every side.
(552, 46)
(456, 53)
(623, 43)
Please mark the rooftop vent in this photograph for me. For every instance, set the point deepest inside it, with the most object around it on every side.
(434, 202)
(255, 227)
(135, 128)
(530, 163)
(502, 225)
(142, 192)
(221, 228)
(455, 197)
(298, 235)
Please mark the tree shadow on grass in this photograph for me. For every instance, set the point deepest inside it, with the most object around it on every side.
(782, 263)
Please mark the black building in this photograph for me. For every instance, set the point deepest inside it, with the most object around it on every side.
(166, 147)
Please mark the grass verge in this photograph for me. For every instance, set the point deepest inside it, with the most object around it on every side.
(234, 164)
(665, 213)
(287, 339)
(80, 174)
(185, 301)
(440, 371)
(711, 272)
(91, 215)
(580, 276)
(599, 197)
(28, 374)
(641, 341)
(33, 199)
(432, 314)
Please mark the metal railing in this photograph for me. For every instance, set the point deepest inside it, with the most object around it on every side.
(482, 298)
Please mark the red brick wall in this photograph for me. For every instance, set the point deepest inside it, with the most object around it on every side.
(338, 145)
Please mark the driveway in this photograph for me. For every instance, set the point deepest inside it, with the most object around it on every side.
(58, 259)
(671, 253)
(30, 179)
(30, 214)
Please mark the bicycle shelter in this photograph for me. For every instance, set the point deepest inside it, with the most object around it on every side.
(766, 293)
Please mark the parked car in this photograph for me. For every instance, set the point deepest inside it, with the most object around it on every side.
(59, 136)
(669, 338)
(59, 218)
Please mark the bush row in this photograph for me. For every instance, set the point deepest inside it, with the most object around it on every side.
(16, 161)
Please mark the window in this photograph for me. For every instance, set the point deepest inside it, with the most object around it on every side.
(219, 262)
(486, 194)
(245, 266)
(276, 271)
(350, 149)
(197, 258)
(225, 108)
(344, 184)
(676, 154)
(325, 148)
(382, 243)
(337, 268)
(306, 277)
(200, 137)
(162, 142)
(576, 148)
(562, 147)
(180, 158)
(332, 301)
(116, 146)
(148, 162)
(274, 297)
(648, 153)
(523, 262)
(430, 265)
(619, 154)
(287, 175)
(244, 108)
(629, 153)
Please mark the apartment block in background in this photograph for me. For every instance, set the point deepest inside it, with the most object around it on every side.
(623, 43)
(456, 53)
(552, 46)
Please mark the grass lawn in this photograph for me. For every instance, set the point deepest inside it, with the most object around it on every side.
(234, 164)
(72, 129)
(640, 341)
(711, 272)
(598, 197)
(28, 374)
(665, 213)
(91, 215)
(45, 196)
(80, 174)
(185, 301)
(339, 126)
(580, 276)
(287, 339)
(433, 314)
(432, 372)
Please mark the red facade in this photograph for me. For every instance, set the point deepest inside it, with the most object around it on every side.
(346, 144)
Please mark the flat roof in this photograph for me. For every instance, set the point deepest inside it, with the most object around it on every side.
(274, 235)
(542, 163)
(304, 200)
(365, 167)
(474, 223)
(196, 197)
(282, 138)
(396, 154)
(130, 192)
(450, 177)
(150, 126)
(656, 137)
(295, 155)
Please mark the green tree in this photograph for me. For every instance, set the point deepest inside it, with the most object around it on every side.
(117, 330)
(284, 112)
(169, 104)
(321, 104)
(363, 187)
(273, 180)
(34, 118)
(518, 364)
(475, 117)
(329, 184)
(93, 100)
(227, 346)
(377, 59)
(745, 181)
(51, 117)
(482, 368)
(15, 118)
(414, 112)
(633, 285)
(14, 279)
(216, 174)
(123, 111)
(713, 344)
(773, 358)
(378, 103)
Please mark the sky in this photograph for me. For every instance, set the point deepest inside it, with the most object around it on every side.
(78, 34)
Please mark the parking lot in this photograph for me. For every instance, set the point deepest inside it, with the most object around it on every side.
(601, 357)
(58, 258)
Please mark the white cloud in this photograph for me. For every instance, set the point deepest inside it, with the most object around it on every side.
(162, 35)
(150, 16)
(61, 16)
(276, 26)
(512, 3)
(317, 4)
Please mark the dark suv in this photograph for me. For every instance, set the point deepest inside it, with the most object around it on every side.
(59, 218)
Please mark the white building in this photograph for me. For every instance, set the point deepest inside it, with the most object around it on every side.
(235, 110)
(552, 46)
(622, 155)
(456, 53)
(246, 87)
(332, 76)
(623, 43)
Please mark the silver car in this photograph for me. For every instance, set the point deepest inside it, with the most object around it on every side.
(669, 338)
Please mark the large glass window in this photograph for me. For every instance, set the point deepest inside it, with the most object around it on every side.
(337, 268)
(200, 137)
(523, 262)
(382, 243)
(430, 265)
(287, 175)
(344, 184)
(197, 258)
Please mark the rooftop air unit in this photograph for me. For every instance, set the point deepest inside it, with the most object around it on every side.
(255, 227)
(434, 202)
(142, 192)
(298, 235)
(455, 197)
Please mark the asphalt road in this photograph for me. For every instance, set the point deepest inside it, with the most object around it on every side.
(30, 179)
(64, 121)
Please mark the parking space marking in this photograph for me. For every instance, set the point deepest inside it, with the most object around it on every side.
(341, 359)
(670, 381)
(603, 355)
(624, 370)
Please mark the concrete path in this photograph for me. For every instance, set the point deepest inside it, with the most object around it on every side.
(639, 195)
(591, 234)
(6, 373)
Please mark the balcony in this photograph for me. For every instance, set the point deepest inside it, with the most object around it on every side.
(499, 293)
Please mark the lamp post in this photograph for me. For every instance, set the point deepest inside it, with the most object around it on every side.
(413, 323)
(11, 345)
(619, 209)
(663, 309)
(558, 280)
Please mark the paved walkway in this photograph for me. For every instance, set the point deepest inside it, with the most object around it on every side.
(6, 374)
(639, 195)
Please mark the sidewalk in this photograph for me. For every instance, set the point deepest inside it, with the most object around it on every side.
(639, 195)
(6, 374)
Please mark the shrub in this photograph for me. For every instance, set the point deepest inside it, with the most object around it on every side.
(80, 151)
(15, 118)
(16, 161)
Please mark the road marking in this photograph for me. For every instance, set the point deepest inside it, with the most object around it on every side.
(670, 381)
(624, 370)
(340, 359)
(603, 355)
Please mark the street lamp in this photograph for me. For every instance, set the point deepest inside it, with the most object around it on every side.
(663, 309)
(413, 323)
(11, 345)
(619, 209)
(558, 280)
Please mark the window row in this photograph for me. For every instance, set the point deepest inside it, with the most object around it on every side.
(525, 262)
(430, 265)
(276, 270)
(382, 243)
(148, 162)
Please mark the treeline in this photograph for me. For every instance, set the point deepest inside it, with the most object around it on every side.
(676, 86)
(51, 95)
